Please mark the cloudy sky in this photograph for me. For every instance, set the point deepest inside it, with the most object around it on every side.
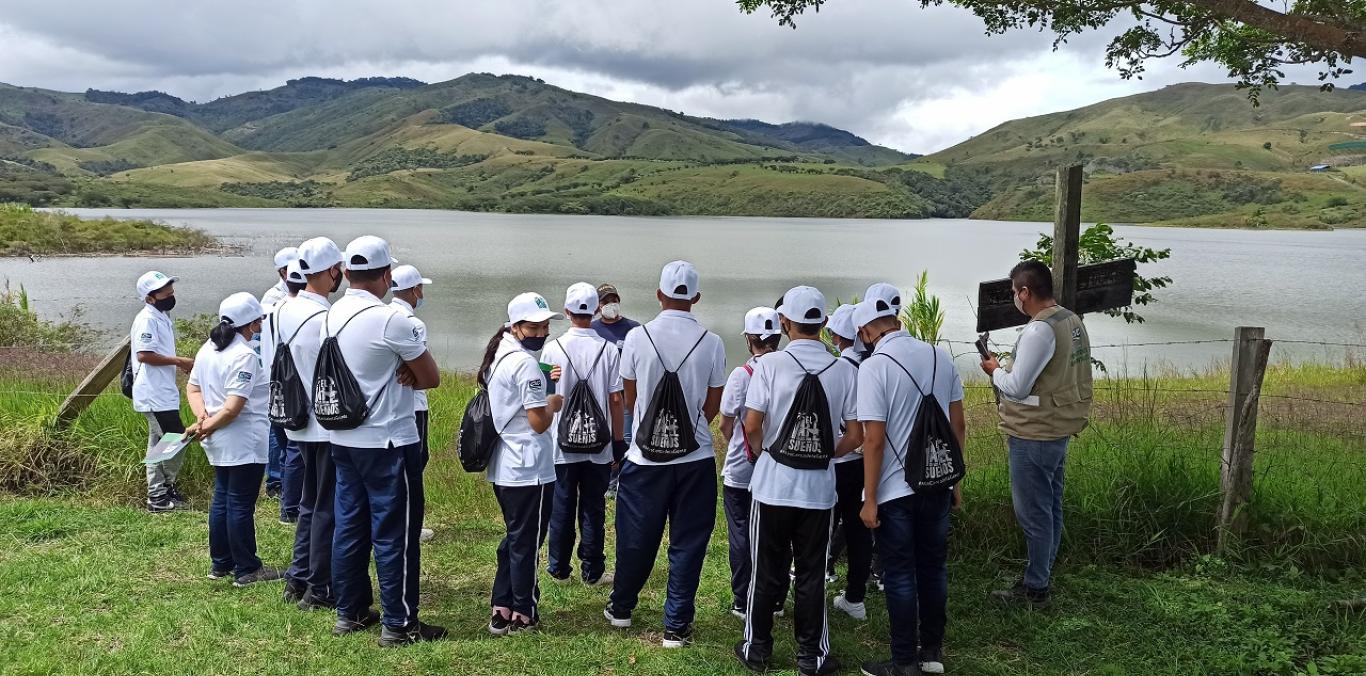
(917, 80)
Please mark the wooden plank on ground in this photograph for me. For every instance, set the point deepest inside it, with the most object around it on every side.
(107, 370)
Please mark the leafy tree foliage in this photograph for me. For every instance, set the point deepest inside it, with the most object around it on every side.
(1098, 244)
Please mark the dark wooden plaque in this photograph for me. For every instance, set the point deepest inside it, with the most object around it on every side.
(1101, 286)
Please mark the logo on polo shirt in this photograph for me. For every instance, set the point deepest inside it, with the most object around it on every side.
(535, 385)
(417, 335)
(243, 376)
(146, 337)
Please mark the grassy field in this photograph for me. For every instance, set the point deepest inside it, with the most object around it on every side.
(97, 585)
(25, 231)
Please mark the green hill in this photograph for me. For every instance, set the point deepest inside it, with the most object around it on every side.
(1189, 154)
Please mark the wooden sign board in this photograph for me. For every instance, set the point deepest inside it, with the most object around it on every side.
(1102, 286)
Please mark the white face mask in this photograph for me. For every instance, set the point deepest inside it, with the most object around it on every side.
(1018, 305)
(611, 311)
(419, 303)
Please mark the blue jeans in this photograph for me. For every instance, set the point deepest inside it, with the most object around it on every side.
(232, 528)
(276, 441)
(291, 481)
(1036, 471)
(580, 496)
(913, 540)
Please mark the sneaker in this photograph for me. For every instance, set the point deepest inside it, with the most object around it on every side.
(557, 578)
(426, 535)
(828, 666)
(889, 668)
(618, 619)
(831, 578)
(287, 520)
(681, 638)
(348, 626)
(262, 574)
(311, 602)
(754, 665)
(160, 505)
(855, 610)
(416, 632)
(1019, 593)
(273, 491)
(295, 590)
(604, 580)
(877, 582)
(216, 574)
(779, 612)
(519, 626)
(177, 498)
(738, 610)
(931, 661)
(499, 625)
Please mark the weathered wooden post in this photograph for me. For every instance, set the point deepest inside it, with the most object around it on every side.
(1250, 353)
(93, 385)
(1066, 233)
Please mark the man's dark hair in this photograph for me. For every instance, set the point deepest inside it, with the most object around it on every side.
(581, 316)
(296, 287)
(807, 330)
(1034, 276)
(367, 276)
(770, 342)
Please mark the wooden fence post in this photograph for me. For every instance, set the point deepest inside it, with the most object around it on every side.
(1250, 353)
(93, 385)
(1066, 233)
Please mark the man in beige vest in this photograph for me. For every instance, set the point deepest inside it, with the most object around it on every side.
(1045, 398)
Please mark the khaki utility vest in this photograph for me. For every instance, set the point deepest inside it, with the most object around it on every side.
(1063, 388)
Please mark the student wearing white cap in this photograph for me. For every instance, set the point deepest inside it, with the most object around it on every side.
(522, 467)
(801, 415)
(673, 370)
(762, 335)
(280, 290)
(582, 355)
(308, 581)
(911, 528)
(380, 497)
(155, 392)
(409, 289)
(284, 478)
(227, 393)
(849, 534)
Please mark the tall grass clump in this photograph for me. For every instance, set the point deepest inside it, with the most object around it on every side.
(25, 231)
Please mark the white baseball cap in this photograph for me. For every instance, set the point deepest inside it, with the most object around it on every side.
(530, 307)
(871, 309)
(153, 281)
(804, 305)
(293, 274)
(285, 256)
(884, 292)
(407, 277)
(317, 255)
(842, 322)
(368, 252)
(678, 275)
(762, 321)
(581, 299)
(240, 309)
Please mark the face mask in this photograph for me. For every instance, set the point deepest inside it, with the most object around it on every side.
(1018, 305)
(336, 283)
(533, 344)
(611, 311)
(164, 304)
(419, 303)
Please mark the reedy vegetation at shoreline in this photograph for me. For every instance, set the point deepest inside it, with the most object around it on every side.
(25, 231)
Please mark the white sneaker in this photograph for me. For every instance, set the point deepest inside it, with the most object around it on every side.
(426, 534)
(855, 610)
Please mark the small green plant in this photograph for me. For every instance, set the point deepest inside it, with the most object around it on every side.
(923, 316)
(1336, 201)
(20, 326)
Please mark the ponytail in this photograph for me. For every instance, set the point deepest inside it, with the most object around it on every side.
(490, 351)
(221, 334)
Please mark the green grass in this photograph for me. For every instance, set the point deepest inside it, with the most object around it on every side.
(96, 585)
(25, 231)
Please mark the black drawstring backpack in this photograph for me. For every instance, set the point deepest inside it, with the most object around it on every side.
(478, 433)
(934, 458)
(126, 378)
(666, 433)
(338, 402)
(288, 405)
(806, 439)
(583, 426)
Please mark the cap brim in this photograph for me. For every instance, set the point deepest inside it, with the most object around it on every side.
(543, 315)
(426, 282)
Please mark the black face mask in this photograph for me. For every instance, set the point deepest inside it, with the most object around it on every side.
(336, 283)
(164, 304)
(533, 343)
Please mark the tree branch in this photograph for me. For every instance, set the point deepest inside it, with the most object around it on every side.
(1293, 27)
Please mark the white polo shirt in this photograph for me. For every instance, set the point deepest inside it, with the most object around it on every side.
(522, 457)
(419, 396)
(154, 387)
(581, 347)
(850, 354)
(235, 371)
(887, 395)
(274, 294)
(295, 320)
(374, 345)
(674, 332)
(737, 469)
(775, 383)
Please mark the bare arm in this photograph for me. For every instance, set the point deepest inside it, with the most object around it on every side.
(153, 359)
(540, 418)
(754, 431)
(424, 372)
(727, 427)
(231, 408)
(614, 402)
(874, 442)
(712, 406)
(959, 422)
(629, 392)
(196, 398)
(852, 439)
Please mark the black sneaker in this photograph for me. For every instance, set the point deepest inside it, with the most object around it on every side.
(618, 619)
(499, 625)
(295, 590)
(262, 574)
(558, 578)
(931, 660)
(311, 602)
(889, 668)
(519, 625)
(289, 519)
(346, 626)
(216, 574)
(827, 666)
(160, 505)
(1019, 593)
(416, 632)
(273, 491)
(755, 665)
(177, 498)
(681, 638)
(738, 610)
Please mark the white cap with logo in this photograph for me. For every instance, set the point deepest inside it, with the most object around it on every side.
(293, 274)
(407, 277)
(884, 292)
(317, 255)
(368, 252)
(581, 299)
(153, 281)
(678, 280)
(804, 305)
(842, 322)
(869, 310)
(285, 256)
(240, 309)
(530, 307)
(762, 321)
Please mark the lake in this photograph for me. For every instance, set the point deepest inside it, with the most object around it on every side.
(1299, 285)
